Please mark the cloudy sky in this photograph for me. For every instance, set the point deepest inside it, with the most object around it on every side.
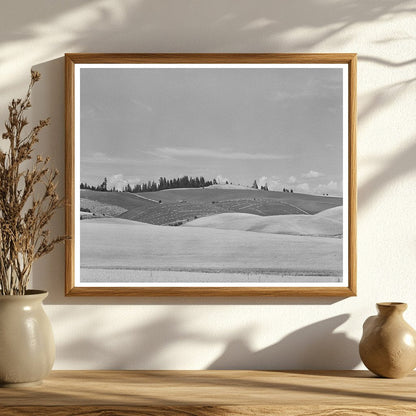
(280, 126)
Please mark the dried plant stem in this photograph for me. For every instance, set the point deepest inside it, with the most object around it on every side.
(23, 217)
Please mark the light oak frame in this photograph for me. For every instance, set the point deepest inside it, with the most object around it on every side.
(72, 59)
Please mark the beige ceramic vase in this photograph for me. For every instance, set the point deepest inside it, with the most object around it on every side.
(27, 347)
(388, 344)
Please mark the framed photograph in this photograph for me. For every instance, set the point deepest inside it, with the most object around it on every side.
(211, 174)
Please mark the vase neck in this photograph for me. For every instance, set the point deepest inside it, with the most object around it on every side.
(390, 308)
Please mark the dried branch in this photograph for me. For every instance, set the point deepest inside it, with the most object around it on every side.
(23, 218)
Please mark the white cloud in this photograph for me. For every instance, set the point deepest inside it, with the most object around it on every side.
(99, 158)
(273, 183)
(330, 187)
(119, 181)
(302, 187)
(262, 181)
(222, 180)
(312, 174)
(169, 152)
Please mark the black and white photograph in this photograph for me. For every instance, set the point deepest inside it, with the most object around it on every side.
(211, 175)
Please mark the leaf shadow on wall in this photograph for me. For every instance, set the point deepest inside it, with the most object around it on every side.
(144, 346)
(150, 26)
(151, 345)
(395, 167)
(249, 28)
(312, 347)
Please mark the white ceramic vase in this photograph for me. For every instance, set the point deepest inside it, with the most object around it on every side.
(27, 347)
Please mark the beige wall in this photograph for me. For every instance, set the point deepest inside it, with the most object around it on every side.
(192, 333)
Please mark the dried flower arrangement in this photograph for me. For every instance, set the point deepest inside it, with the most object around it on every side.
(28, 199)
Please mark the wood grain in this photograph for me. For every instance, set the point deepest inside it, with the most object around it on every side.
(352, 173)
(276, 58)
(72, 59)
(211, 411)
(69, 175)
(212, 291)
(203, 393)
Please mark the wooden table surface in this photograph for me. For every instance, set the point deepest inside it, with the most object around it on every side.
(202, 393)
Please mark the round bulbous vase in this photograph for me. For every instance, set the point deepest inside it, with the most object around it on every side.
(27, 347)
(388, 345)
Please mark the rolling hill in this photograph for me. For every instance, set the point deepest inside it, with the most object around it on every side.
(117, 250)
(178, 206)
(327, 223)
(121, 199)
(310, 203)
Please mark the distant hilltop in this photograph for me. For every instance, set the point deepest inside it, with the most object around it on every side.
(220, 186)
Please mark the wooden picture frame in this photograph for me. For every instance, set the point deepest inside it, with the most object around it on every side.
(190, 117)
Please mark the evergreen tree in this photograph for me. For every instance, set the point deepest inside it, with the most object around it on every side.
(103, 186)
